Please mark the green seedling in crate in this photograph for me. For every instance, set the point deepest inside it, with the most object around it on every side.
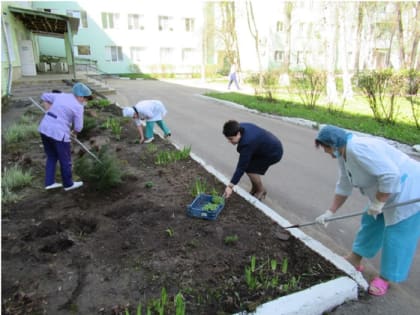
(210, 206)
(218, 200)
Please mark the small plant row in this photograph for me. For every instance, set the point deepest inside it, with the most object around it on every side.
(100, 103)
(266, 275)
(114, 124)
(166, 157)
(158, 306)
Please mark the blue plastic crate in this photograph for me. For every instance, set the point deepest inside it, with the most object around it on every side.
(195, 209)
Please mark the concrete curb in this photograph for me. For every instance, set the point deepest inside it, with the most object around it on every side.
(312, 301)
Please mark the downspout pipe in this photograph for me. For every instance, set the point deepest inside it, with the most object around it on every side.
(70, 38)
(9, 59)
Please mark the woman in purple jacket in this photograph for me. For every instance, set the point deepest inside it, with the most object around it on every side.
(258, 149)
(64, 112)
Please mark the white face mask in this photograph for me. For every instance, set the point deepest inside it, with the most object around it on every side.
(336, 153)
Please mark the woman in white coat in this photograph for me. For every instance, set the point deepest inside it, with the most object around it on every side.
(151, 111)
(386, 176)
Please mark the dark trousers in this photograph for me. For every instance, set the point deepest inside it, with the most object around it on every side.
(57, 151)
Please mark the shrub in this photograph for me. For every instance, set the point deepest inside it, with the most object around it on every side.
(412, 89)
(310, 84)
(101, 103)
(101, 175)
(381, 88)
(89, 123)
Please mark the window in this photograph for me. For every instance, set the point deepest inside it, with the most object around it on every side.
(279, 26)
(110, 20)
(279, 56)
(165, 23)
(135, 22)
(301, 27)
(138, 54)
(189, 56)
(83, 50)
(189, 25)
(113, 53)
(166, 55)
(299, 57)
(81, 15)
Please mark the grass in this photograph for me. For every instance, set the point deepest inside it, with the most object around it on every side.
(353, 115)
(14, 178)
(133, 76)
(21, 132)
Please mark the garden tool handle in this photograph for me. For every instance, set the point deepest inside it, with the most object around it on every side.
(354, 214)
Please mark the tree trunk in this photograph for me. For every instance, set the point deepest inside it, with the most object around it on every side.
(416, 37)
(347, 87)
(359, 28)
(330, 44)
(400, 29)
(254, 33)
(288, 12)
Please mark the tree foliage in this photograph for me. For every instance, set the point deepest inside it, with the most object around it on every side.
(310, 84)
(382, 89)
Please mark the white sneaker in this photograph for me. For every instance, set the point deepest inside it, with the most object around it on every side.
(148, 140)
(74, 186)
(53, 186)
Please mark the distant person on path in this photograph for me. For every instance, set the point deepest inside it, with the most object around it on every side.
(63, 110)
(152, 111)
(258, 149)
(233, 76)
(386, 176)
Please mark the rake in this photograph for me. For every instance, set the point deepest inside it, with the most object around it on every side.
(353, 214)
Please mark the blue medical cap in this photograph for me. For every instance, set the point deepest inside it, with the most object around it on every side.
(332, 136)
(79, 89)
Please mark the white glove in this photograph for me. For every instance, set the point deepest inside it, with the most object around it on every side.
(375, 208)
(321, 219)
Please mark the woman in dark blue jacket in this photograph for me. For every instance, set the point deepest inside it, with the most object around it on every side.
(258, 149)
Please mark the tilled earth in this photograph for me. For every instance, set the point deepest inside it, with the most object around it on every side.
(91, 251)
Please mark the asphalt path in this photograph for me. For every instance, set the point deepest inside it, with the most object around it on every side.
(300, 187)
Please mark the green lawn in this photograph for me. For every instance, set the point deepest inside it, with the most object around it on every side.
(355, 114)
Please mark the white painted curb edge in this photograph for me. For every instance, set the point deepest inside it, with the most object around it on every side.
(313, 301)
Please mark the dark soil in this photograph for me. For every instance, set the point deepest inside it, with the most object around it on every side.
(89, 251)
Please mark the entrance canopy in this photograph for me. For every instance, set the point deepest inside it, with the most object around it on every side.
(46, 23)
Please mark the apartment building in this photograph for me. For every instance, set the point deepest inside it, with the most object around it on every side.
(127, 36)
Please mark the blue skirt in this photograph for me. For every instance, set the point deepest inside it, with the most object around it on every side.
(260, 165)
